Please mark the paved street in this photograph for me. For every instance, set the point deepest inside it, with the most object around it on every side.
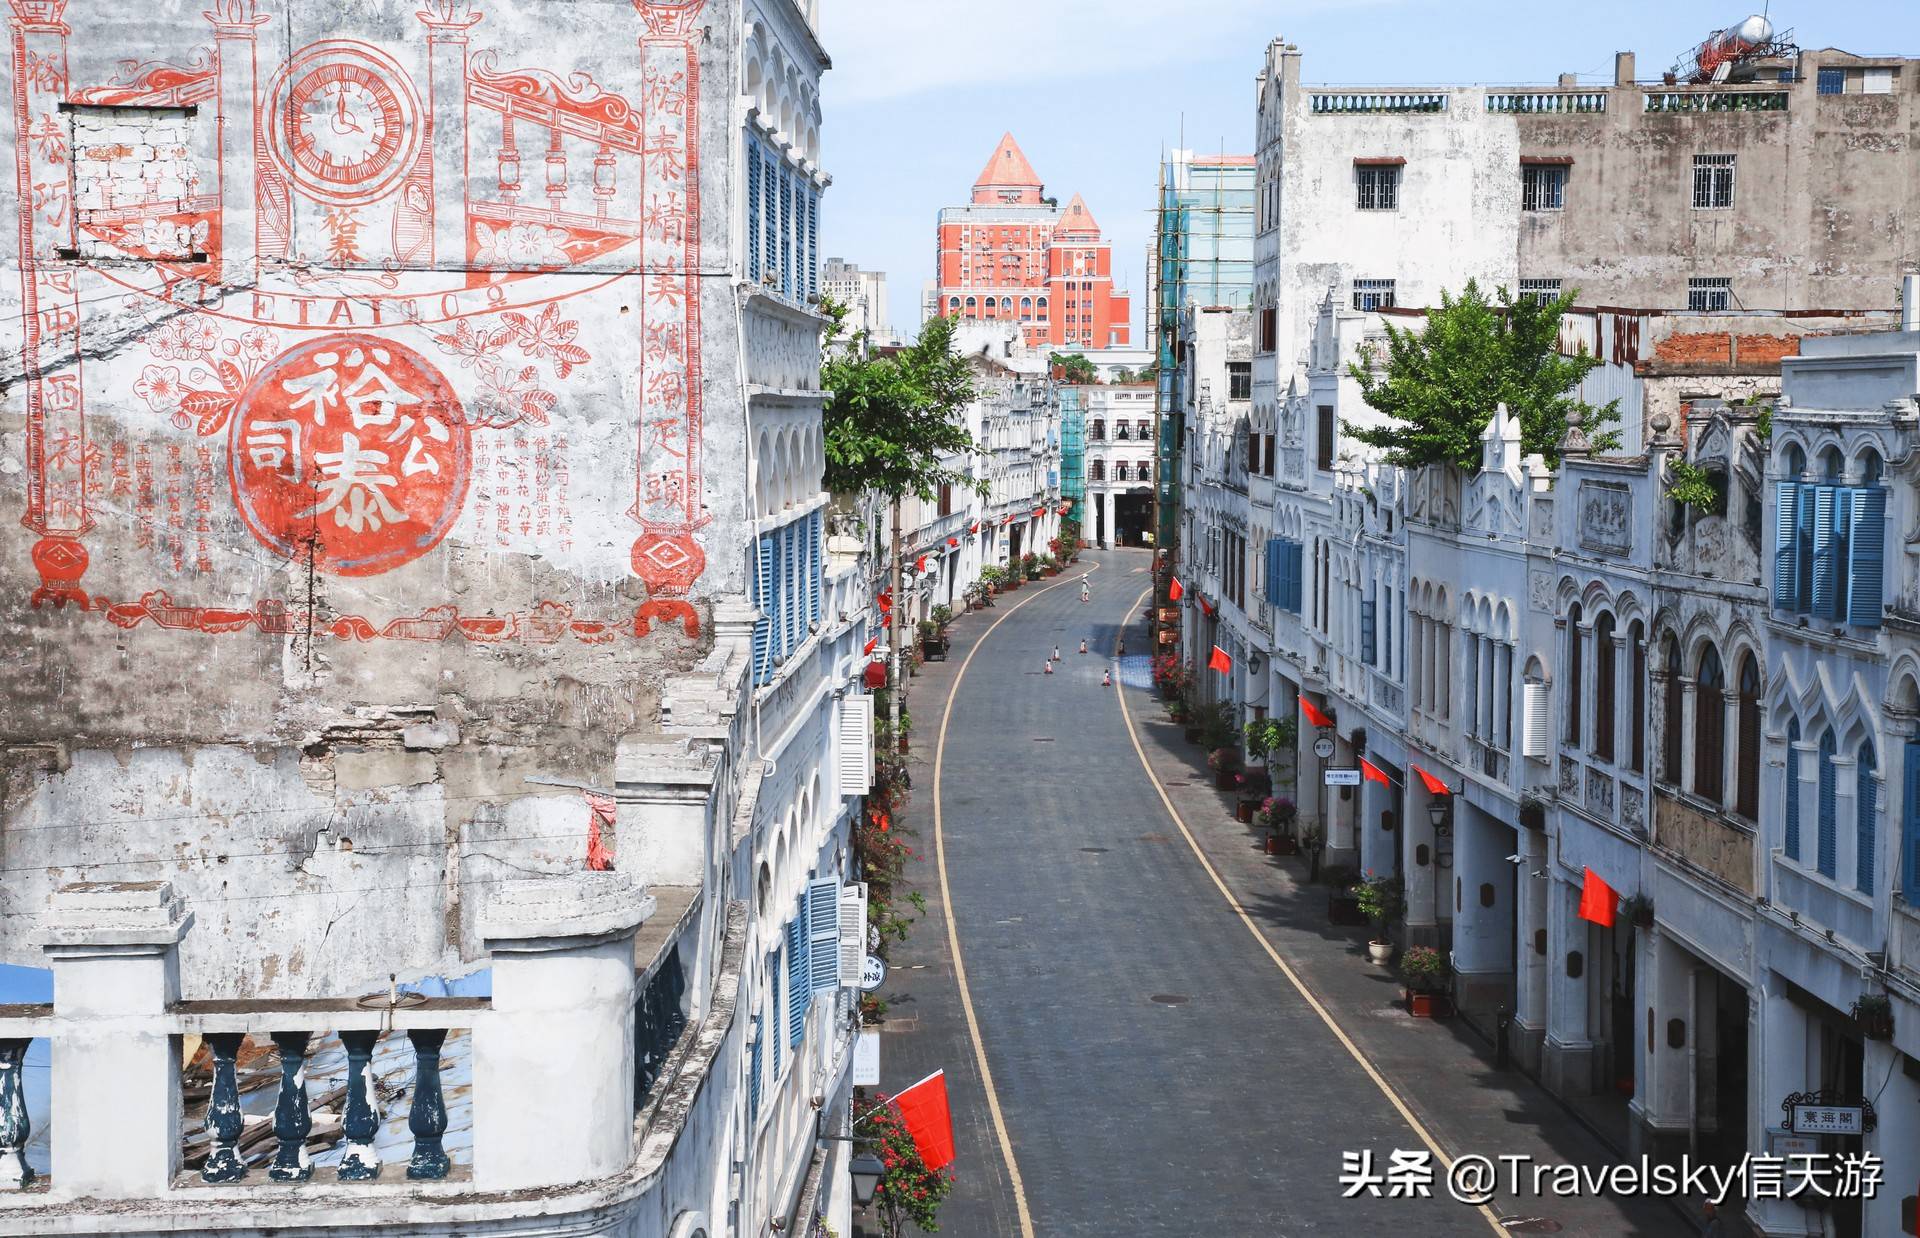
(1156, 1071)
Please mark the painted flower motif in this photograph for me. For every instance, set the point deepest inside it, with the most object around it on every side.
(256, 345)
(201, 335)
(520, 245)
(548, 336)
(159, 386)
(473, 348)
(162, 237)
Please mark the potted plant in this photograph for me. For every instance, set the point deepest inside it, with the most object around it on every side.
(1225, 764)
(1311, 843)
(942, 617)
(1030, 565)
(1277, 814)
(1380, 900)
(1640, 911)
(1343, 906)
(994, 577)
(1050, 565)
(978, 595)
(1218, 730)
(1425, 972)
(1873, 1015)
(933, 641)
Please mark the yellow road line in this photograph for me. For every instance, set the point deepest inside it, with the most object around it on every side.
(953, 930)
(1293, 977)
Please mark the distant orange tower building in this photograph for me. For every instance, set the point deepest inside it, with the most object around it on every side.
(1014, 255)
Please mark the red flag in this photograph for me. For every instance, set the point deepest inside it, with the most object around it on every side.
(974, 527)
(1312, 711)
(953, 541)
(920, 564)
(1219, 661)
(1207, 609)
(923, 1110)
(1434, 785)
(1065, 508)
(599, 808)
(1007, 519)
(1373, 773)
(1039, 511)
(1596, 900)
(871, 642)
(1174, 590)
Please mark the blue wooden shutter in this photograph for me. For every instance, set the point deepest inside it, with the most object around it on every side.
(1828, 861)
(1866, 828)
(791, 603)
(770, 225)
(773, 1014)
(1826, 567)
(1786, 549)
(763, 602)
(753, 212)
(1866, 539)
(1793, 790)
(786, 231)
(1270, 585)
(753, 1071)
(816, 566)
(799, 984)
(1296, 572)
(823, 935)
(813, 242)
(1910, 817)
(1367, 632)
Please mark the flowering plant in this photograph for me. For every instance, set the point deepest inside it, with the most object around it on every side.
(1423, 968)
(1276, 810)
(908, 1190)
(1380, 898)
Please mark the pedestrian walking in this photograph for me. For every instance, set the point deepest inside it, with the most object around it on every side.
(1712, 1228)
(1120, 647)
(1086, 590)
(1083, 645)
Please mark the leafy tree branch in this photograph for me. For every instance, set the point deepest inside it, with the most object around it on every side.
(893, 419)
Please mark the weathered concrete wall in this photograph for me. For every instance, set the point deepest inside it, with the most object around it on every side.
(411, 490)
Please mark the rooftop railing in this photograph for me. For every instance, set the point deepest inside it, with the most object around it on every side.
(1546, 102)
(1672, 101)
(1355, 103)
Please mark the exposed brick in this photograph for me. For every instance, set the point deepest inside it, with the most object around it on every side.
(1696, 348)
(1767, 348)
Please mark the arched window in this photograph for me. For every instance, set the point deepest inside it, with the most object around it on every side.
(1026, 307)
(1637, 668)
(1097, 430)
(971, 303)
(1709, 725)
(1793, 789)
(1828, 859)
(1043, 305)
(953, 303)
(1576, 674)
(1831, 465)
(1866, 827)
(1870, 467)
(1746, 791)
(1604, 668)
(1670, 723)
(1097, 470)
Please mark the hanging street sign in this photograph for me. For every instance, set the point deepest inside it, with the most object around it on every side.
(866, 1060)
(1323, 747)
(874, 974)
(1343, 777)
(1804, 1118)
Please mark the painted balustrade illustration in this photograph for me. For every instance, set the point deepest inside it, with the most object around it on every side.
(391, 1089)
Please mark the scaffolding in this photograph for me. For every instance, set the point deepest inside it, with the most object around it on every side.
(1073, 450)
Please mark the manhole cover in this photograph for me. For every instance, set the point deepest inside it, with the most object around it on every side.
(1095, 850)
(1169, 999)
(1531, 1225)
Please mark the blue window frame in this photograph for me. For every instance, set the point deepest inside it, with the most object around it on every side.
(1828, 860)
(1910, 824)
(1831, 82)
(1829, 557)
(1792, 789)
(1866, 834)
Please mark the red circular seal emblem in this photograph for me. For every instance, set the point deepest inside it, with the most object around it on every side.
(351, 451)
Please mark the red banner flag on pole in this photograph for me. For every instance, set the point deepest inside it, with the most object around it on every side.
(1373, 773)
(1174, 590)
(920, 564)
(1433, 785)
(1314, 715)
(1219, 661)
(953, 541)
(1204, 607)
(1596, 900)
(923, 1110)
(871, 642)
(974, 527)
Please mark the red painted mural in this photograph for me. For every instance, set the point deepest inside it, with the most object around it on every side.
(364, 281)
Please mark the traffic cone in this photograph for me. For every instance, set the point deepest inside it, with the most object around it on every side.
(1049, 666)
(1056, 653)
(1106, 678)
(1083, 646)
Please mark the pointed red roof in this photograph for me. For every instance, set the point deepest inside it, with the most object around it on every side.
(1077, 219)
(1007, 173)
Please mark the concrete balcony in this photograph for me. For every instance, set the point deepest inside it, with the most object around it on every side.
(572, 1084)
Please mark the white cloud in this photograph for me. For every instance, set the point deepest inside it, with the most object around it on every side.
(887, 49)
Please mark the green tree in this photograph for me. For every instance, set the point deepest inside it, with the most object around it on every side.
(893, 418)
(1441, 384)
(1073, 367)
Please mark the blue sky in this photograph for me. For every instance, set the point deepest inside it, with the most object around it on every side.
(921, 90)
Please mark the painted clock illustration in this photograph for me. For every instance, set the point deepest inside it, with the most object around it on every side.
(343, 122)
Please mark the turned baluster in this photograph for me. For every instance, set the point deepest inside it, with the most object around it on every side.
(360, 1162)
(291, 1122)
(556, 169)
(224, 1121)
(427, 1118)
(14, 1126)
